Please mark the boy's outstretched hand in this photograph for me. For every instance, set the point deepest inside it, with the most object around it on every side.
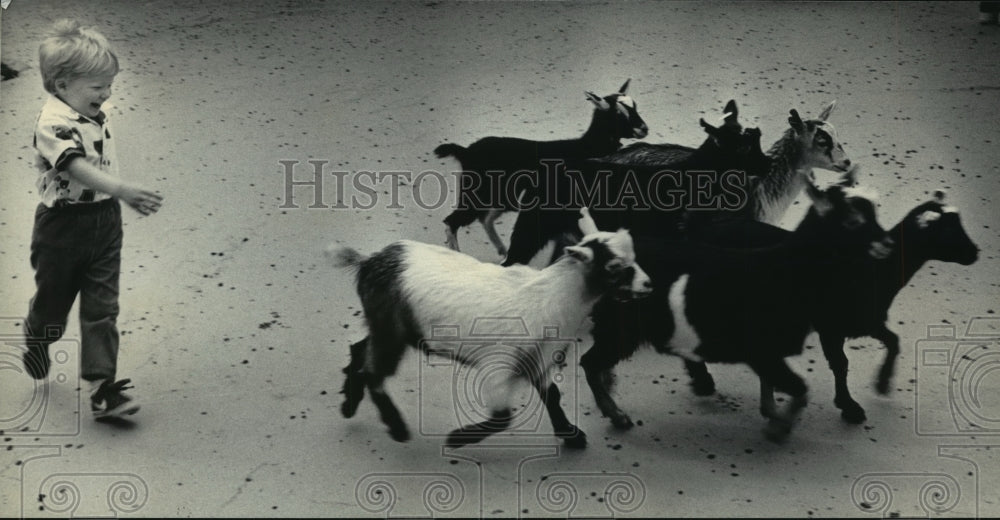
(144, 201)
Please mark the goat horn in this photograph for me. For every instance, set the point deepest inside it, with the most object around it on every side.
(625, 86)
(586, 222)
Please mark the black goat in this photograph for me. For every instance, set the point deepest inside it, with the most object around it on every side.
(494, 168)
(754, 306)
(859, 302)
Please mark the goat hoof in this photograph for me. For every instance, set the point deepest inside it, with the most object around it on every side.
(399, 434)
(703, 387)
(777, 430)
(577, 441)
(854, 414)
(347, 409)
(882, 386)
(622, 422)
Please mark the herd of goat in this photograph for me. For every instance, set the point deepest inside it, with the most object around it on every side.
(709, 282)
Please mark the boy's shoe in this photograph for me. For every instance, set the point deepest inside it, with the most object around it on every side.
(108, 401)
(36, 361)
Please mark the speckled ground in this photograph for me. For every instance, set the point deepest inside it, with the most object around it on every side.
(234, 327)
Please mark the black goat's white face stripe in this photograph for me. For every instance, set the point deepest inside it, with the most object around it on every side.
(626, 106)
(620, 245)
(862, 192)
(925, 218)
(826, 127)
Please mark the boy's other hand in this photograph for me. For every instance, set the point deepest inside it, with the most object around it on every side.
(144, 201)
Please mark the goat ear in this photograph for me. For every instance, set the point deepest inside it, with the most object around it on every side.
(586, 222)
(731, 112)
(939, 196)
(598, 101)
(796, 122)
(823, 115)
(709, 129)
(624, 87)
(819, 199)
(581, 253)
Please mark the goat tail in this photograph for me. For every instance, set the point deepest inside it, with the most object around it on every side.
(450, 149)
(344, 256)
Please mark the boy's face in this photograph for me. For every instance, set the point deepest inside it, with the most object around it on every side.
(86, 94)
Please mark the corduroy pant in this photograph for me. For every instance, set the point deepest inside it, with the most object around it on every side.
(76, 250)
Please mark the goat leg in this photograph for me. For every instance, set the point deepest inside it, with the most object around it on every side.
(702, 382)
(599, 379)
(776, 372)
(473, 433)
(768, 407)
(387, 410)
(833, 349)
(572, 436)
(488, 221)
(891, 342)
(354, 381)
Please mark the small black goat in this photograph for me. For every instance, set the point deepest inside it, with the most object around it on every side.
(490, 182)
(670, 153)
(645, 198)
(858, 303)
(754, 306)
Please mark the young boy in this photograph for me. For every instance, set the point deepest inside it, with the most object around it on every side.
(77, 238)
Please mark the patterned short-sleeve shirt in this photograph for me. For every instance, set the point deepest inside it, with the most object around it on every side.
(62, 134)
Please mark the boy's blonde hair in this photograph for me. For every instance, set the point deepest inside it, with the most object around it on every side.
(71, 51)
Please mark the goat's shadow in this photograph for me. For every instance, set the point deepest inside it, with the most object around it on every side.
(118, 423)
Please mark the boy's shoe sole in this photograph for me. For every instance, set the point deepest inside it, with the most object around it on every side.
(124, 409)
(108, 401)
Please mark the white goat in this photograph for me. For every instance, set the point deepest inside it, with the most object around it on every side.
(410, 288)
